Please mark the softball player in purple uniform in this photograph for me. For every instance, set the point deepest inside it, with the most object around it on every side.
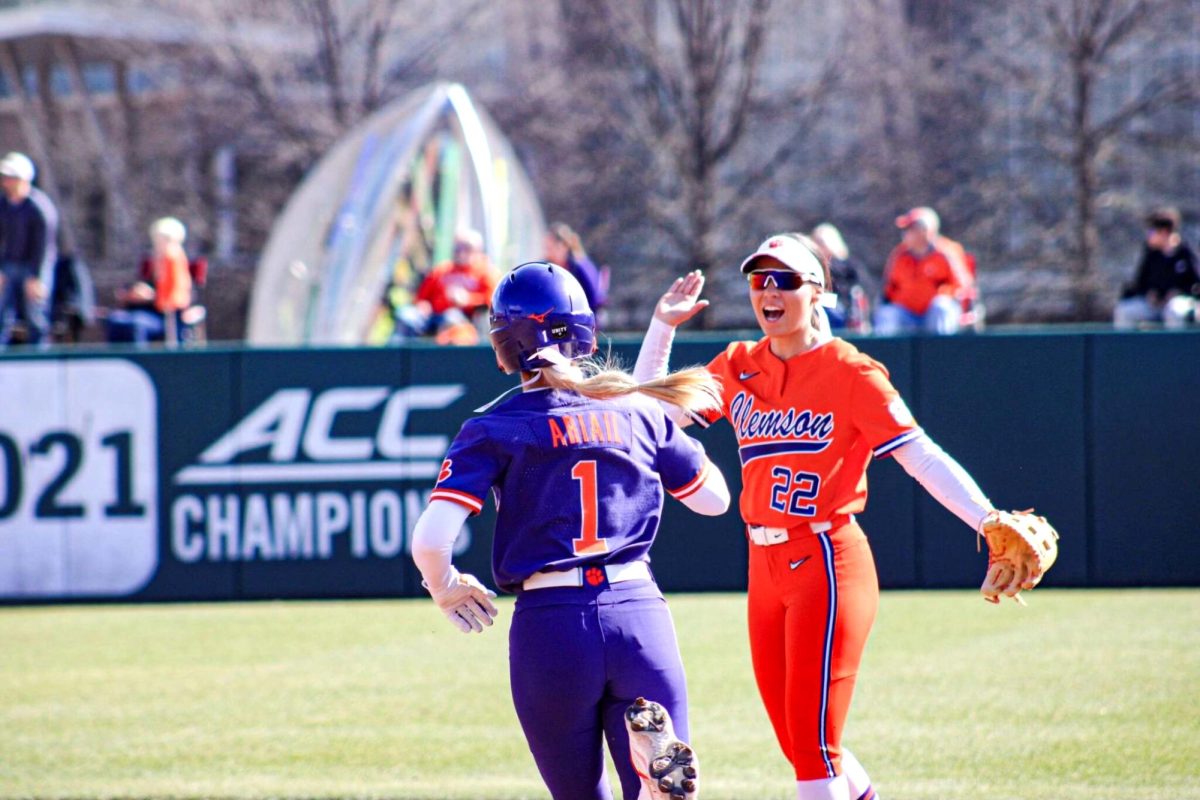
(577, 464)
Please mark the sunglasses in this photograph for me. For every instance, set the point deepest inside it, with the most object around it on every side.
(784, 280)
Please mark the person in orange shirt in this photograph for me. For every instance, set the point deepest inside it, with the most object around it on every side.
(809, 412)
(922, 282)
(955, 253)
(161, 303)
(451, 294)
(171, 275)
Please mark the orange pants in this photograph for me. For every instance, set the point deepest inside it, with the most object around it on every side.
(812, 601)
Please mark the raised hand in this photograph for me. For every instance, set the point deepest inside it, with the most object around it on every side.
(682, 301)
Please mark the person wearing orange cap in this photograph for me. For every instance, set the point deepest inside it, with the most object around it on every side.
(923, 282)
(451, 294)
(955, 253)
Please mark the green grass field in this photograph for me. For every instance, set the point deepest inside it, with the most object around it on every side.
(1084, 694)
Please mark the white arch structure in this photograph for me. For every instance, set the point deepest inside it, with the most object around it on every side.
(380, 208)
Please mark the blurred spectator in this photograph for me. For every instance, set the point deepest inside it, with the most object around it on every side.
(28, 251)
(922, 289)
(955, 253)
(962, 262)
(451, 294)
(565, 248)
(852, 311)
(1167, 284)
(172, 278)
(159, 306)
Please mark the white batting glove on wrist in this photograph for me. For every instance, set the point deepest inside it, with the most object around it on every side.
(465, 601)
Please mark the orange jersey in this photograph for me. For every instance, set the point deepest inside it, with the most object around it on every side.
(476, 280)
(172, 281)
(912, 280)
(807, 428)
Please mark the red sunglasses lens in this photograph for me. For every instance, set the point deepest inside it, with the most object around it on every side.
(785, 281)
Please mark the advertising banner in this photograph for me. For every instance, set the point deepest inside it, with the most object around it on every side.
(80, 508)
(254, 474)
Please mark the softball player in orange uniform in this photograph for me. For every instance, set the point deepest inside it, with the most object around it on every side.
(809, 412)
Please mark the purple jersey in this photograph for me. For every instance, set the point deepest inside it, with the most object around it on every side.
(576, 480)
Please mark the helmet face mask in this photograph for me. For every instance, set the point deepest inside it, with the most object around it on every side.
(536, 306)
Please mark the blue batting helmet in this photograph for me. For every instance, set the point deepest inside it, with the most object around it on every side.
(540, 305)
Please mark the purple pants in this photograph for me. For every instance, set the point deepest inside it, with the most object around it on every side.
(577, 658)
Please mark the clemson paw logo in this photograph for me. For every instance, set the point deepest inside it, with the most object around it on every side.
(446, 471)
(595, 576)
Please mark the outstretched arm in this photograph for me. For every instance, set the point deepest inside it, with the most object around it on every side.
(1021, 546)
(945, 479)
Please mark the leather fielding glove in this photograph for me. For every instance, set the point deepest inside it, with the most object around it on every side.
(1021, 547)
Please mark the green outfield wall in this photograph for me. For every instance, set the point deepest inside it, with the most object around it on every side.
(243, 474)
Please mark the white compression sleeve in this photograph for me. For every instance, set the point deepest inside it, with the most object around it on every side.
(655, 352)
(712, 497)
(433, 540)
(652, 362)
(945, 479)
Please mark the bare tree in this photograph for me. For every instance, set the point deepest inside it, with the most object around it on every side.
(880, 151)
(273, 82)
(684, 100)
(1093, 71)
(284, 79)
(315, 67)
(697, 65)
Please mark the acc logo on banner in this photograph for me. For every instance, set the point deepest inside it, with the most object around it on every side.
(78, 478)
(284, 485)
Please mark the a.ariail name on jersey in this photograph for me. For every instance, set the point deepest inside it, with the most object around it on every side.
(289, 442)
(794, 431)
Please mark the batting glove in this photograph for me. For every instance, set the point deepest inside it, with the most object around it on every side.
(465, 601)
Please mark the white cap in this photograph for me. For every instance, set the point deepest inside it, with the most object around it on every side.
(169, 228)
(829, 236)
(469, 236)
(17, 165)
(790, 254)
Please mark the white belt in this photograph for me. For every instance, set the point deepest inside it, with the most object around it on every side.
(767, 536)
(577, 576)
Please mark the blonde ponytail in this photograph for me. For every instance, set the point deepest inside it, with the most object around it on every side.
(694, 389)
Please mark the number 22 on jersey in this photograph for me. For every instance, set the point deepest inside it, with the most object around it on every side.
(588, 542)
(789, 491)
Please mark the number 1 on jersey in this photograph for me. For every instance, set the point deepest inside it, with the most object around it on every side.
(589, 542)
